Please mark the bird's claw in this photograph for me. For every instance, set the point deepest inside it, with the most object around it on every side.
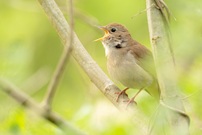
(130, 101)
(123, 92)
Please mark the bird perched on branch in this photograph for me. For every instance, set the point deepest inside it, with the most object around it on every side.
(128, 61)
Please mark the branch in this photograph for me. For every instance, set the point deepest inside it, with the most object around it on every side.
(86, 18)
(179, 120)
(94, 72)
(61, 65)
(27, 102)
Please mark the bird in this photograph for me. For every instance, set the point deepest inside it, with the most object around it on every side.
(128, 61)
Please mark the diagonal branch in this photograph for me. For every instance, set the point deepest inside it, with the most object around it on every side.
(27, 102)
(94, 72)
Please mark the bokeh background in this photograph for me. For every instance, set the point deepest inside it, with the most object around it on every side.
(30, 49)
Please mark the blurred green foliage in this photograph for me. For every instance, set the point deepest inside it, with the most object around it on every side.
(30, 49)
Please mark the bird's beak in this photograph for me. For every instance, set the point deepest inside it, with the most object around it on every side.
(106, 32)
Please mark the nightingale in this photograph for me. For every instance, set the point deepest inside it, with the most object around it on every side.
(128, 61)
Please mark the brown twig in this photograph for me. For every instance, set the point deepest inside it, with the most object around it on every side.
(61, 65)
(27, 102)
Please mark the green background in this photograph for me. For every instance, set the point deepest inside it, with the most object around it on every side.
(30, 49)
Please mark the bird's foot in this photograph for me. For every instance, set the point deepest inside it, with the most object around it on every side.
(130, 101)
(123, 92)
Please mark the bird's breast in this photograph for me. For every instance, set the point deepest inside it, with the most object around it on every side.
(124, 68)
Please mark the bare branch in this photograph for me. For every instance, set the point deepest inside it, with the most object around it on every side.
(27, 102)
(40, 77)
(179, 121)
(61, 65)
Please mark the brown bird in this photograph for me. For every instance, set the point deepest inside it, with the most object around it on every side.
(128, 61)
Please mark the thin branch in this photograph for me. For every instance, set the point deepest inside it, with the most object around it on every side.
(61, 65)
(141, 12)
(170, 99)
(94, 72)
(87, 18)
(40, 77)
(27, 102)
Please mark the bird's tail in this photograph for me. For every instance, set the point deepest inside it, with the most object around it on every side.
(154, 90)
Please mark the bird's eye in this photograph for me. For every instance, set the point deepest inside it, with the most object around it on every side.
(113, 29)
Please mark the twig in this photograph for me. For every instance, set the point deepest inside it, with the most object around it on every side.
(27, 102)
(190, 95)
(143, 11)
(86, 18)
(61, 65)
(96, 75)
(36, 81)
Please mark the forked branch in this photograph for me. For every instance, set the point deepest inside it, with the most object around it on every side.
(27, 102)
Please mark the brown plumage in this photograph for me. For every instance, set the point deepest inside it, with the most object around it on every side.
(128, 61)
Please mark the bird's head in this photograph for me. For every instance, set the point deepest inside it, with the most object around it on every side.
(116, 35)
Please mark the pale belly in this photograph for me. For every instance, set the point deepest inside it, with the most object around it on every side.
(129, 73)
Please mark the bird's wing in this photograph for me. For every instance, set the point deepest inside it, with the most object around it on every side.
(145, 60)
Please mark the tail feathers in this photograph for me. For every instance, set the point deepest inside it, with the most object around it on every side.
(154, 90)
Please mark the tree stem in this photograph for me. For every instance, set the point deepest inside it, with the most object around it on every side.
(163, 57)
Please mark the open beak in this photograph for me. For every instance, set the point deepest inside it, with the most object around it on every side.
(106, 33)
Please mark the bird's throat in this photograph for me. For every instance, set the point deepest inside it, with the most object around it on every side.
(118, 46)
